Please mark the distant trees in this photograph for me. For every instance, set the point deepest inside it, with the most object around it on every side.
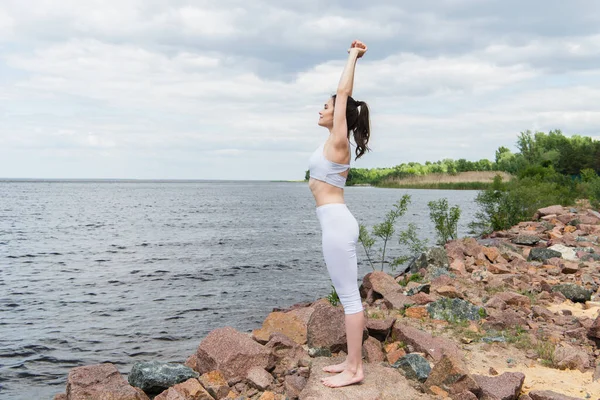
(566, 155)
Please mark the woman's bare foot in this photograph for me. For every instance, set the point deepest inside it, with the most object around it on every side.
(344, 379)
(335, 368)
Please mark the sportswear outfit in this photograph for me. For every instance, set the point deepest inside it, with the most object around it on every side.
(340, 233)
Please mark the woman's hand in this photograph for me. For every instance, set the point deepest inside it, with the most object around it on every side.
(360, 47)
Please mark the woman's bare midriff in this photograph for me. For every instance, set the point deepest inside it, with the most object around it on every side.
(325, 193)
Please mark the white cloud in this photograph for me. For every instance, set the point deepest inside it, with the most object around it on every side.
(164, 81)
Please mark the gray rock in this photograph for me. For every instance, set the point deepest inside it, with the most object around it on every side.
(421, 288)
(542, 254)
(414, 367)
(494, 339)
(436, 272)
(591, 257)
(455, 310)
(432, 257)
(529, 240)
(319, 352)
(575, 293)
(155, 376)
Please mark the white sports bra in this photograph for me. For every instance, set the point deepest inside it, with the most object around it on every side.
(327, 171)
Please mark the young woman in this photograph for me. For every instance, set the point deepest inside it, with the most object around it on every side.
(342, 116)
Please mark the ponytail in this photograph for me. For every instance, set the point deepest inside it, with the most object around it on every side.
(362, 129)
(357, 118)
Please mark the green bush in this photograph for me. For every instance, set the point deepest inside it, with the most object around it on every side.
(506, 204)
(385, 231)
(445, 220)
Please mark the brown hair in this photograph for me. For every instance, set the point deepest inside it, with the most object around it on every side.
(357, 118)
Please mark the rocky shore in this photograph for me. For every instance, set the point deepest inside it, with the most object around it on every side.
(515, 315)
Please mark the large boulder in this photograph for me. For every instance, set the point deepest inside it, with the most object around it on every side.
(326, 328)
(423, 342)
(292, 324)
(100, 381)
(155, 376)
(380, 383)
(231, 352)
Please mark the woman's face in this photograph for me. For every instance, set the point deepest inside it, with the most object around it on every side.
(326, 114)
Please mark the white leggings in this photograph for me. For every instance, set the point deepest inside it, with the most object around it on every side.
(340, 236)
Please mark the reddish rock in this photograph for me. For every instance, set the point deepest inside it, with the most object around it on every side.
(502, 319)
(372, 350)
(292, 324)
(542, 313)
(381, 383)
(455, 249)
(326, 328)
(451, 374)
(394, 355)
(569, 267)
(549, 395)
(424, 342)
(557, 210)
(286, 353)
(502, 387)
(417, 312)
(496, 303)
(514, 299)
(594, 330)
(188, 390)
(464, 395)
(214, 382)
(231, 352)
(60, 396)
(293, 385)
(192, 362)
(380, 328)
(272, 396)
(569, 357)
(499, 269)
(385, 286)
(492, 253)
(449, 291)
(259, 378)
(422, 299)
(100, 381)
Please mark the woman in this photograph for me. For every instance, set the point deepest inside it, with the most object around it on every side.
(328, 167)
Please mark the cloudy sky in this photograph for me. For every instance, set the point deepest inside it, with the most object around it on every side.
(231, 89)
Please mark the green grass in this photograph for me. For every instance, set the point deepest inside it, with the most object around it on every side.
(412, 278)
